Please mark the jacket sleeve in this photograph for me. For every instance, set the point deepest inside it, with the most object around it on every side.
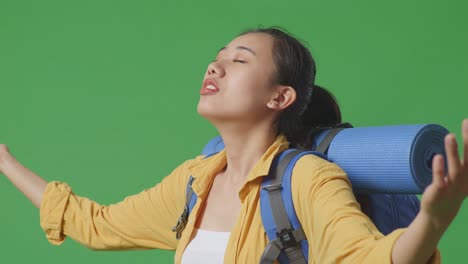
(140, 221)
(337, 230)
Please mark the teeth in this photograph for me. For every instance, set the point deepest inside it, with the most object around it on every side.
(211, 87)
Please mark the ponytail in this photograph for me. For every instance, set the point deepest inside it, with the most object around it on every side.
(322, 112)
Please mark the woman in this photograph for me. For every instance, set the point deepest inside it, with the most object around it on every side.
(258, 94)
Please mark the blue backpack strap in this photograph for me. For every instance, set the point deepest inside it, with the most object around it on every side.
(288, 243)
(190, 201)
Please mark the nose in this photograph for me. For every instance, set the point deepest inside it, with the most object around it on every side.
(216, 69)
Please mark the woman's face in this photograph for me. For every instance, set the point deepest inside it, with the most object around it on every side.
(239, 83)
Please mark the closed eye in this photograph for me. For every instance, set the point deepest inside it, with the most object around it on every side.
(240, 61)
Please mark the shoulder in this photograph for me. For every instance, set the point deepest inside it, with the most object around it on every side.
(313, 164)
(312, 171)
(189, 164)
(317, 182)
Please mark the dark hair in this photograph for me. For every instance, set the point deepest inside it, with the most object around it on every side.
(315, 107)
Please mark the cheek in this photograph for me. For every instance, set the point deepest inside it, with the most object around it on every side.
(246, 101)
(246, 97)
(251, 83)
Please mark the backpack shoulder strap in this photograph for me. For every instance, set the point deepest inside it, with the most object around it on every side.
(182, 221)
(190, 201)
(288, 243)
(324, 144)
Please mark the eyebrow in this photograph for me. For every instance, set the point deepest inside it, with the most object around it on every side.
(240, 48)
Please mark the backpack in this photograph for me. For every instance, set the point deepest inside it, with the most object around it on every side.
(288, 243)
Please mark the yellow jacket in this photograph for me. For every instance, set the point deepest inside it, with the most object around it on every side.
(337, 231)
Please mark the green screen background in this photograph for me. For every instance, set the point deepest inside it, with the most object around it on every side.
(103, 94)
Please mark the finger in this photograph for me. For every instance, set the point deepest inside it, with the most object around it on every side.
(438, 171)
(465, 142)
(453, 160)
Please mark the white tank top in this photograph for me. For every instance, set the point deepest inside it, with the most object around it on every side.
(206, 247)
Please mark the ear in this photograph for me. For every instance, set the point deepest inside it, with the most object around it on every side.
(283, 97)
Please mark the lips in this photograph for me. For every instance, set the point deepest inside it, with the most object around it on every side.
(209, 87)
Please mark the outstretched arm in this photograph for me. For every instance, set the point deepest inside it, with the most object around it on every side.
(143, 220)
(440, 204)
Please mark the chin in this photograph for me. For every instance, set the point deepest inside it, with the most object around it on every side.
(217, 112)
(210, 113)
(205, 110)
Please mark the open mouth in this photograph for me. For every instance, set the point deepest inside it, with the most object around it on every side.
(209, 87)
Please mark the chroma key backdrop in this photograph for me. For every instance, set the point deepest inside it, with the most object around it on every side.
(102, 94)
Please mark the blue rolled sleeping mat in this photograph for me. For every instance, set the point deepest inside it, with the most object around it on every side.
(387, 159)
(382, 159)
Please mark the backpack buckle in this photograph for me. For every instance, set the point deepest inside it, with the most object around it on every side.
(273, 187)
(287, 238)
(181, 223)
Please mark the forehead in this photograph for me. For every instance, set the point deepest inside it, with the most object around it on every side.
(260, 43)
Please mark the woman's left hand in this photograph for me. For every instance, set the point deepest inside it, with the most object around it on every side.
(443, 198)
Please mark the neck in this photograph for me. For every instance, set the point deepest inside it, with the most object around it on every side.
(245, 145)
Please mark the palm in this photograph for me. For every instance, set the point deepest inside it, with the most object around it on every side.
(443, 198)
